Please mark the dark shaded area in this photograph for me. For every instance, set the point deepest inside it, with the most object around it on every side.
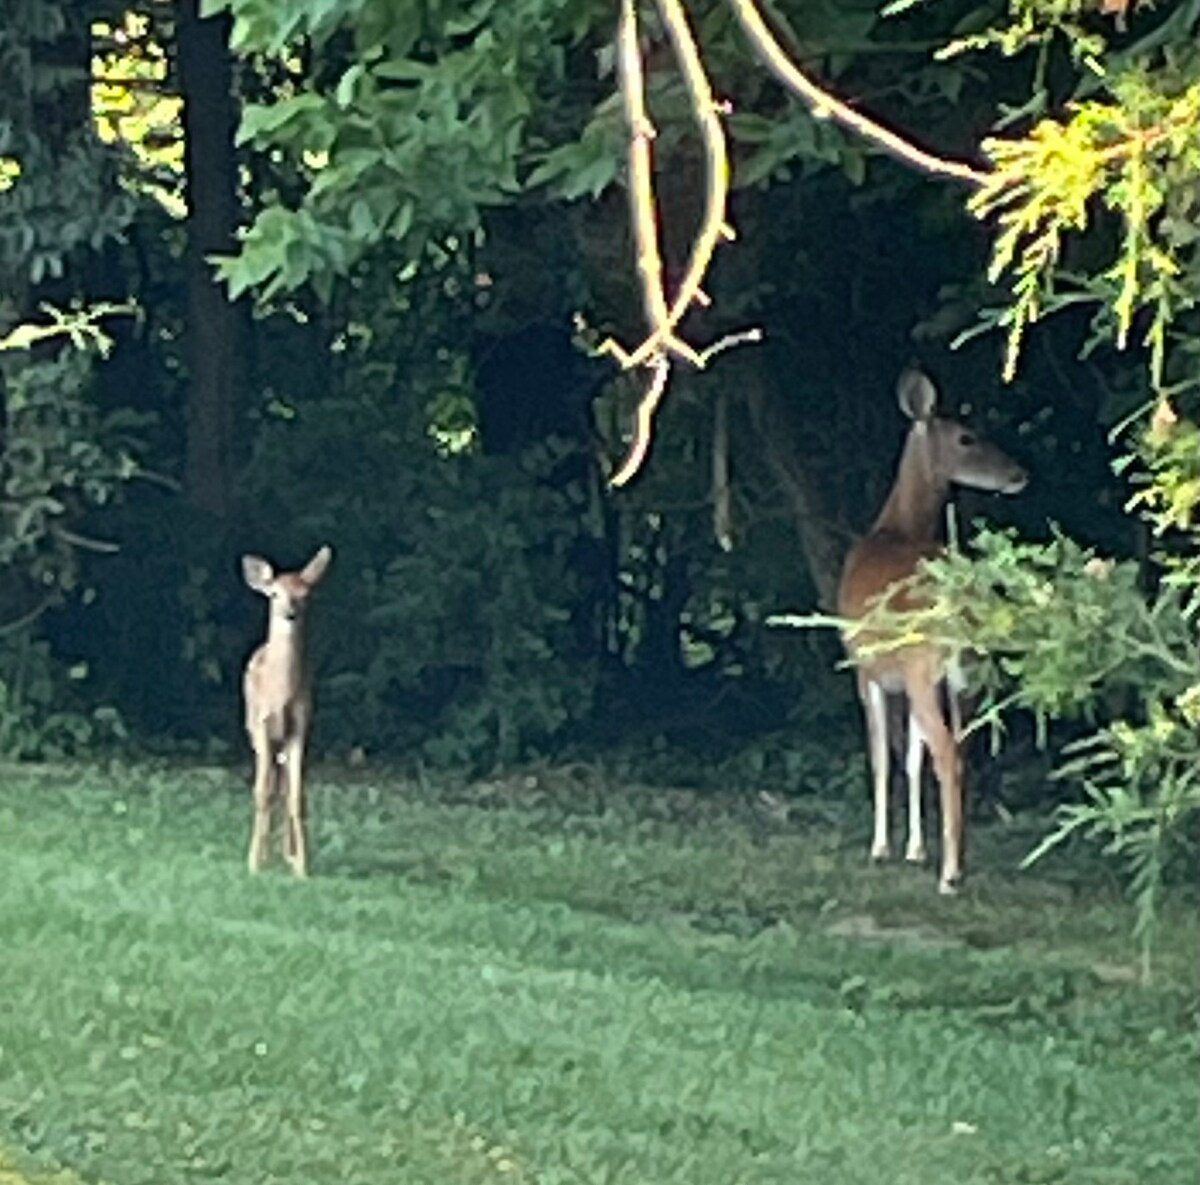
(534, 383)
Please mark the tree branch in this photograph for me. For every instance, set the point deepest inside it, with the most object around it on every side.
(644, 422)
(663, 341)
(825, 106)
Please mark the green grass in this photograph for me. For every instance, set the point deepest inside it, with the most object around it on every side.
(505, 982)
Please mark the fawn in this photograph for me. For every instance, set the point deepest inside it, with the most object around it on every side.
(278, 694)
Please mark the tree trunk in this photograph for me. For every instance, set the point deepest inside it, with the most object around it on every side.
(215, 327)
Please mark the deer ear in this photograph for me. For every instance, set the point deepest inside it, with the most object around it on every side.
(916, 395)
(312, 572)
(257, 573)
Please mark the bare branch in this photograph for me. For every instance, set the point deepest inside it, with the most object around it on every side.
(641, 182)
(26, 619)
(730, 340)
(721, 504)
(644, 421)
(84, 542)
(714, 226)
(663, 342)
(825, 106)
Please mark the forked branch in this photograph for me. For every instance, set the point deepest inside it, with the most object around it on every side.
(663, 341)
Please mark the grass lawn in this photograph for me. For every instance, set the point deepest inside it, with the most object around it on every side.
(540, 981)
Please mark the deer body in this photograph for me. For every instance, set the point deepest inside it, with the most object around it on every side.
(938, 454)
(277, 687)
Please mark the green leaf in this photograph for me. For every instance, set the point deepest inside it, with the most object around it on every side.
(348, 84)
(265, 121)
(402, 222)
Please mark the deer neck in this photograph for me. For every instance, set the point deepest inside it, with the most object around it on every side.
(919, 496)
(285, 649)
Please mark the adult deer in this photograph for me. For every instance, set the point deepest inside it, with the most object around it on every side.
(278, 693)
(938, 454)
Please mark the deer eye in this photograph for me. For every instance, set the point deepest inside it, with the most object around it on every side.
(967, 439)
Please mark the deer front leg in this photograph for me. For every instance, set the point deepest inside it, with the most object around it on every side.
(264, 783)
(874, 702)
(914, 852)
(296, 842)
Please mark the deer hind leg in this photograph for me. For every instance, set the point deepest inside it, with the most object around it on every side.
(295, 840)
(265, 774)
(874, 701)
(926, 709)
(914, 764)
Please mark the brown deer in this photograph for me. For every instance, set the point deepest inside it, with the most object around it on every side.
(938, 453)
(278, 694)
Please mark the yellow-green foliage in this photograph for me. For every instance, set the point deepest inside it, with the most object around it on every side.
(1036, 23)
(1056, 630)
(131, 105)
(1167, 456)
(1171, 453)
(1135, 156)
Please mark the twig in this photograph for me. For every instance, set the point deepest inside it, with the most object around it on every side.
(84, 542)
(648, 405)
(722, 513)
(754, 334)
(159, 479)
(26, 619)
(644, 422)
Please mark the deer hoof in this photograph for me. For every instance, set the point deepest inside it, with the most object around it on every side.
(880, 852)
(949, 886)
(915, 853)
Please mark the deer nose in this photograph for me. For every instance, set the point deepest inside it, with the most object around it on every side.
(1017, 481)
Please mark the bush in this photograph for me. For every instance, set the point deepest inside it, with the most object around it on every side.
(39, 718)
(1054, 629)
